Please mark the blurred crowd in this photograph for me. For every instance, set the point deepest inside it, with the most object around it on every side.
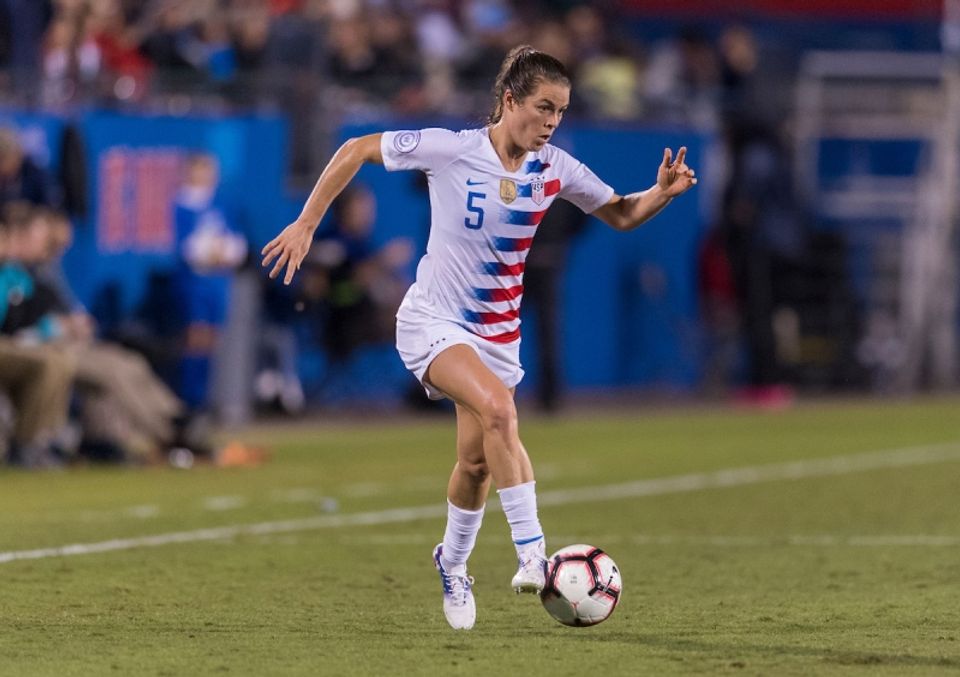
(140, 388)
(406, 56)
(67, 391)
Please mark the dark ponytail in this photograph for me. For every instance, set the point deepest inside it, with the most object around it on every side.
(522, 70)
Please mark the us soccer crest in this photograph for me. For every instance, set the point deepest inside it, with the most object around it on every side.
(508, 190)
(536, 190)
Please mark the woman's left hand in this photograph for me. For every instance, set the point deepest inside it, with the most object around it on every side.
(675, 178)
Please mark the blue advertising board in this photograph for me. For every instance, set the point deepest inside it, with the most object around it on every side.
(134, 169)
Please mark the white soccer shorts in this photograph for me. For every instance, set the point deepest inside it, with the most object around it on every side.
(420, 338)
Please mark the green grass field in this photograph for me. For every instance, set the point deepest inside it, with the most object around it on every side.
(834, 550)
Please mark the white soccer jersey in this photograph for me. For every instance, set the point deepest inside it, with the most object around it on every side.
(483, 220)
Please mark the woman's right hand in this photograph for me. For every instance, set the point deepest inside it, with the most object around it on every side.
(289, 249)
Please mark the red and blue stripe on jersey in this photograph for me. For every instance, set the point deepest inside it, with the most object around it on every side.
(515, 217)
(498, 294)
(499, 303)
(512, 244)
(503, 269)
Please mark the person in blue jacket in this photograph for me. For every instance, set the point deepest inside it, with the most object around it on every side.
(209, 250)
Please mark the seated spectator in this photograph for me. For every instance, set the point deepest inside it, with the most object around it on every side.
(36, 379)
(119, 46)
(208, 48)
(611, 83)
(124, 408)
(683, 74)
(20, 177)
(71, 59)
(250, 31)
(22, 25)
(170, 30)
(32, 312)
(354, 63)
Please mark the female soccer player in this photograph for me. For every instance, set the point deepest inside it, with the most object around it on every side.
(458, 328)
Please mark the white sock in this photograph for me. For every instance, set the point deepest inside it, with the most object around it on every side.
(460, 536)
(520, 506)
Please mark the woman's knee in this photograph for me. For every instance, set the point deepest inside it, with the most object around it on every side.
(477, 471)
(499, 413)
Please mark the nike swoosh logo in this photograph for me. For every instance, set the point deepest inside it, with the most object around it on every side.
(475, 183)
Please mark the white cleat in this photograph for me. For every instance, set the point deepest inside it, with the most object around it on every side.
(458, 604)
(532, 574)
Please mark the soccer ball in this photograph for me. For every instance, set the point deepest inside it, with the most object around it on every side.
(583, 585)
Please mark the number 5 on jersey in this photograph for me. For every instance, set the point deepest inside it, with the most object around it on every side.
(474, 209)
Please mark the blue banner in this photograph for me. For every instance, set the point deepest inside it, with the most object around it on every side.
(134, 169)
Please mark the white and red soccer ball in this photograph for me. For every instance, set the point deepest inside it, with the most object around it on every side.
(583, 585)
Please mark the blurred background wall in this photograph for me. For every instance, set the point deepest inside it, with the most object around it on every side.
(817, 254)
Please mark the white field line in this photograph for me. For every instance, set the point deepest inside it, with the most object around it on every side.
(731, 477)
(830, 541)
(735, 477)
(815, 540)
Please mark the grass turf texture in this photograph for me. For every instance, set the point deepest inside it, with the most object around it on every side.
(787, 577)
